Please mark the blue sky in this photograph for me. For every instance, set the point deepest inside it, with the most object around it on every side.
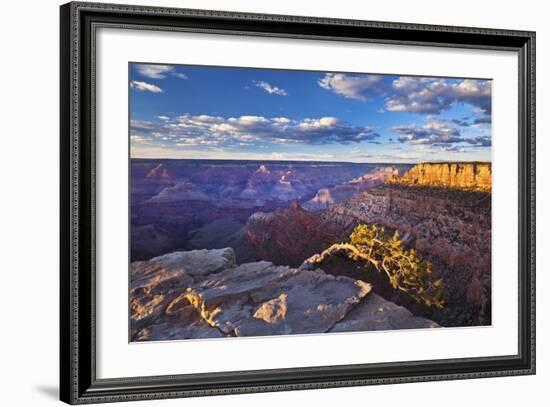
(182, 111)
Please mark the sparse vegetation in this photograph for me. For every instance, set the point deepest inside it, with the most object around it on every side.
(384, 252)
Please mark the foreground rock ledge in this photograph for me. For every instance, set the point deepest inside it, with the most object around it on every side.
(205, 294)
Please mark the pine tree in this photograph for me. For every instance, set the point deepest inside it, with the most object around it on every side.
(384, 252)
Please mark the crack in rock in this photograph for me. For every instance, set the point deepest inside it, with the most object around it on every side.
(204, 294)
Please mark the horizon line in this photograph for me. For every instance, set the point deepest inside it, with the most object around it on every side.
(314, 161)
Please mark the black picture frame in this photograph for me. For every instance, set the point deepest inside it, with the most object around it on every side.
(78, 382)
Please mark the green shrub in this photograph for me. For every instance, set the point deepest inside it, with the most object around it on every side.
(405, 270)
(384, 252)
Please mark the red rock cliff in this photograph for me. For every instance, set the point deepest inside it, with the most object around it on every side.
(470, 176)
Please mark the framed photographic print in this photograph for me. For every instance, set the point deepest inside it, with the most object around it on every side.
(257, 203)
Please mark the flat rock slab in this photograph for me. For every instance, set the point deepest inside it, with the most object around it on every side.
(157, 309)
(262, 299)
(377, 314)
(205, 294)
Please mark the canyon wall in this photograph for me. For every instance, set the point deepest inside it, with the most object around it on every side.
(195, 204)
(469, 176)
(444, 212)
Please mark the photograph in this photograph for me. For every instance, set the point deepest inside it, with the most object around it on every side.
(273, 199)
(268, 202)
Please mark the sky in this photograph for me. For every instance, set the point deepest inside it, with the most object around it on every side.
(204, 112)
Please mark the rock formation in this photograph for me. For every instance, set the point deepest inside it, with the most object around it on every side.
(451, 224)
(205, 294)
(448, 226)
(322, 200)
(469, 176)
(326, 197)
(287, 236)
(170, 199)
(442, 210)
(182, 191)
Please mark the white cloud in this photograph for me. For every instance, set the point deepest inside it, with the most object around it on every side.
(359, 87)
(281, 120)
(412, 94)
(142, 125)
(438, 133)
(144, 86)
(179, 75)
(433, 95)
(154, 71)
(270, 89)
(323, 122)
(218, 130)
(249, 120)
(137, 138)
(434, 132)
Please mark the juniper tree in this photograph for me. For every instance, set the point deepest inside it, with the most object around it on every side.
(384, 252)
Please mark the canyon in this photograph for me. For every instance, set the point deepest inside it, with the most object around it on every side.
(173, 200)
(256, 222)
(449, 226)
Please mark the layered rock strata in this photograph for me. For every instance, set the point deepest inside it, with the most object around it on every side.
(451, 227)
(469, 176)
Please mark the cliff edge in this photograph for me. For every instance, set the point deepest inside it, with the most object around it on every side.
(474, 176)
(205, 294)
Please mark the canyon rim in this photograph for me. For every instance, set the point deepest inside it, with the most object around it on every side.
(276, 202)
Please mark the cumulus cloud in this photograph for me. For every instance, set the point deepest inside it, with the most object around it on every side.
(439, 133)
(210, 130)
(479, 141)
(422, 95)
(434, 132)
(144, 86)
(272, 90)
(433, 95)
(359, 87)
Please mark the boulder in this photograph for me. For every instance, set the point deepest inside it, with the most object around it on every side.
(377, 314)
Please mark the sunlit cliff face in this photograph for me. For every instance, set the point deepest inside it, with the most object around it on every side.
(470, 176)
